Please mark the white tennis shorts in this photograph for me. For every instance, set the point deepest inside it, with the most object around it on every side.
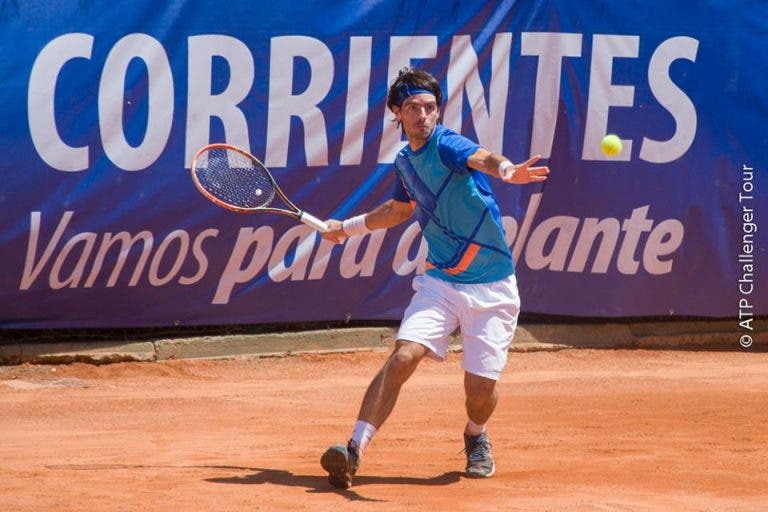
(486, 314)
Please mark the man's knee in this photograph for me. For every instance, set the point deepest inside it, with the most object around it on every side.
(477, 388)
(481, 397)
(404, 359)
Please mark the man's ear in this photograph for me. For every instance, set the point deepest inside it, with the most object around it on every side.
(396, 111)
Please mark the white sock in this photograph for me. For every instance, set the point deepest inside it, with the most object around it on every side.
(473, 429)
(362, 435)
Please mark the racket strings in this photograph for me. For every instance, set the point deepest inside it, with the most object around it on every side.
(235, 179)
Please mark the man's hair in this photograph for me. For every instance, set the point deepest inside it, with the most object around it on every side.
(410, 79)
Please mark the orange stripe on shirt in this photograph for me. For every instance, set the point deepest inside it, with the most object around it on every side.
(464, 263)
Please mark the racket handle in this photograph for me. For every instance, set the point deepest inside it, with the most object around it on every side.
(310, 220)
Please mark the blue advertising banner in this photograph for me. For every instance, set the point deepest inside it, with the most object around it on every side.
(104, 105)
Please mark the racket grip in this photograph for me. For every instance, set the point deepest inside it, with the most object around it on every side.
(313, 221)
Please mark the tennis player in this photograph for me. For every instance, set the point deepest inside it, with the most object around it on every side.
(469, 280)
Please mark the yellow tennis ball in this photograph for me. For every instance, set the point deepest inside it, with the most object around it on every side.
(611, 145)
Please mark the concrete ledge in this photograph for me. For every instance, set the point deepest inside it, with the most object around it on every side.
(556, 336)
(89, 352)
(711, 335)
(275, 343)
(675, 328)
(10, 353)
(715, 334)
(700, 335)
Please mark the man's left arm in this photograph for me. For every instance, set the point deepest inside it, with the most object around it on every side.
(502, 167)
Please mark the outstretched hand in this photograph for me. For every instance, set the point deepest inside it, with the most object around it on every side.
(523, 173)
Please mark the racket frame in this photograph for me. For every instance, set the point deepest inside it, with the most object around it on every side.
(294, 211)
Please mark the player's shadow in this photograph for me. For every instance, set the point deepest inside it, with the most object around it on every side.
(319, 484)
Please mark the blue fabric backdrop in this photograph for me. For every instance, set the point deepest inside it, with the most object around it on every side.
(103, 107)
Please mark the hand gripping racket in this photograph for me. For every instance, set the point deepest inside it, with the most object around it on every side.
(234, 179)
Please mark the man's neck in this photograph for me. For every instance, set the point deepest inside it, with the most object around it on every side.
(417, 144)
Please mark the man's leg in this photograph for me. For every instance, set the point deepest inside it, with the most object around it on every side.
(382, 393)
(481, 399)
(430, 320)
(341, 462)
(489, 319)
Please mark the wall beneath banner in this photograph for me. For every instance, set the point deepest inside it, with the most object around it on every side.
(103, 109)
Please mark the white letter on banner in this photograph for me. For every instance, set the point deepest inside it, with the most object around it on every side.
(565, 228)
(463, 74)
(278, 268)
(41, 100)
(321, 260)
(154, 267)
(257, 243)
(510, 229)
(402, 49)
(358, 83)
(673, 99)
(550, 48)
(665, 239)
(87, 240)
(112, 99)
(202, 105)
(633, 227)
(350, 266)
(603, 95)
(401, 263)
(283, 103)
(525, 228)
(31, 268)
(608, 230)
(200, 257)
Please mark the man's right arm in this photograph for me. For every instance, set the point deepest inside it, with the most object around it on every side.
(387, 215)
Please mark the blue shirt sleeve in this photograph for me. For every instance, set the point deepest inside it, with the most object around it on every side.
(455, 150)
(399, 193)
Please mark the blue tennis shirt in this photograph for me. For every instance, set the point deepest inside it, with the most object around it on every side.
(456, 209)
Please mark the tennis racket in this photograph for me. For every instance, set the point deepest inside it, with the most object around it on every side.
(236, 180)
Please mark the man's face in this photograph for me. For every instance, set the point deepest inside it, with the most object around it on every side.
(418, 115)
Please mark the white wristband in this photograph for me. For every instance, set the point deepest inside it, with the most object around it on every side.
(503, 167)
(355, 226)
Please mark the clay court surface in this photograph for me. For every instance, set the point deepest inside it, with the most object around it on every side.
(575, 430)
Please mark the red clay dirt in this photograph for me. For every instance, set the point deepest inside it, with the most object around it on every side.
(576, 430)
